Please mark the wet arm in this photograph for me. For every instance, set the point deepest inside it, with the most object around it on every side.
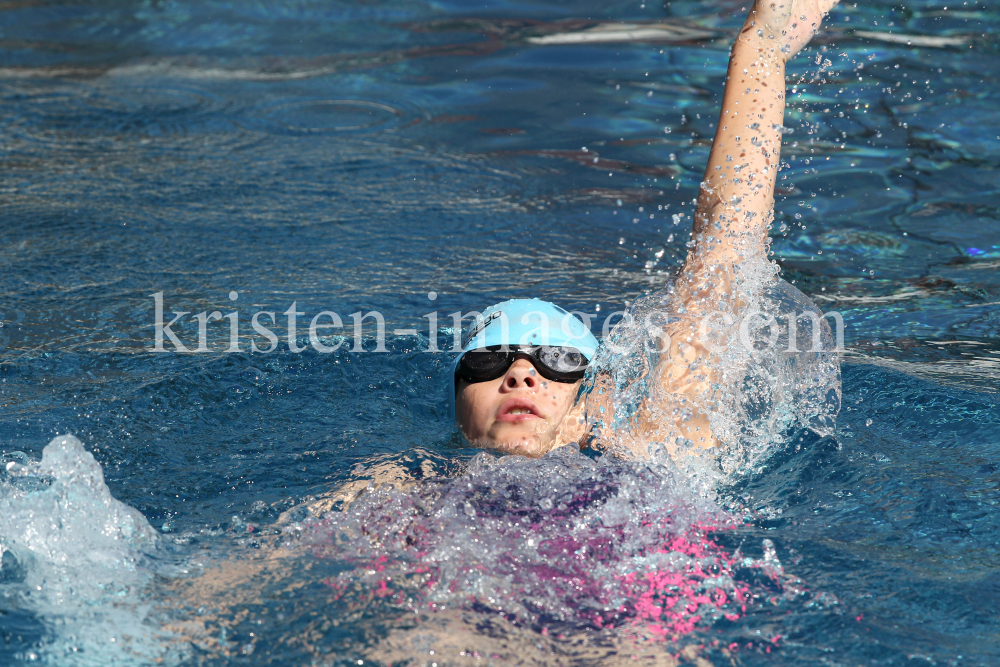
(737, 192)
(735, 204)
(736, 197)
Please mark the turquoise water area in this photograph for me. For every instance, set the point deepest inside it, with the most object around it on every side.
(351, 157)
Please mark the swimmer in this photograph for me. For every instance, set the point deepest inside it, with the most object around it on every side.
(517, 381)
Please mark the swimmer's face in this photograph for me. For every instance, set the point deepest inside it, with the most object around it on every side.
(518, 413)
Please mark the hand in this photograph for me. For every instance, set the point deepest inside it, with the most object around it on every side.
(791, 22)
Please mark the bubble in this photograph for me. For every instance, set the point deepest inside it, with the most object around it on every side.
(252, 376)
(335, 116)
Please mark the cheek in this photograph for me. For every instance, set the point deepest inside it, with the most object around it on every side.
(473, 409)
(557, 397)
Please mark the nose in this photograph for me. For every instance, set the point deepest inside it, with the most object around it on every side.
(521, 374)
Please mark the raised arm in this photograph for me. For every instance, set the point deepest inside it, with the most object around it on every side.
(734, 210)
(736, 198)
(735, 206)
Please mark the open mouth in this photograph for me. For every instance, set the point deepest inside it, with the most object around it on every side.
(518, 410)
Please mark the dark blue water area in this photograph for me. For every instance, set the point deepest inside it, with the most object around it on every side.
(352, 157)
(897, 518)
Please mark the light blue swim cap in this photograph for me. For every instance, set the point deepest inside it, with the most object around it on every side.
(523, 322)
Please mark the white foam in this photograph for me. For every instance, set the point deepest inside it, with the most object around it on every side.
(78, 557)
(752, 389)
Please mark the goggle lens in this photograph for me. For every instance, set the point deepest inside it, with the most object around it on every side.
(484, 363)
(562, 359)
(560, 364)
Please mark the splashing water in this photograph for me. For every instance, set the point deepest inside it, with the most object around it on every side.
(569, 541)
(74, 557)
(559, 543)
(566, 543)
(757, 376)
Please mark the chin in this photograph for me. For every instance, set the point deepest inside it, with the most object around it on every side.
(526, 445)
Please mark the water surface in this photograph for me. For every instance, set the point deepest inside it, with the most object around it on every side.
(356, 156)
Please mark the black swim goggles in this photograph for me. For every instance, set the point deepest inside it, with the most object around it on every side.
(559, 364)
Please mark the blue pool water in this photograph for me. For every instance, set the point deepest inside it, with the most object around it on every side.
(351, 157)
